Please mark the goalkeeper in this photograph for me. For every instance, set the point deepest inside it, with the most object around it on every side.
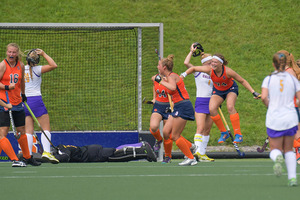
(97, 153)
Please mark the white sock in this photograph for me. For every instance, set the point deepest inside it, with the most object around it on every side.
(45, 142)
(198, 141)
(203, 145)
(30, 142)
(291, 164)
(274, 153)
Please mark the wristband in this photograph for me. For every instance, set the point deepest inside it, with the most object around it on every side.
(184, 74)
(6, 87)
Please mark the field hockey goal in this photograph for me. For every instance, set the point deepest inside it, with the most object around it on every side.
(104, 71)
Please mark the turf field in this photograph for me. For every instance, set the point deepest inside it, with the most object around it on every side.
(224, 179)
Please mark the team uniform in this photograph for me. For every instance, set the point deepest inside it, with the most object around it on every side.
(182, 105)
(97, 153)
(204, 86)
(223, 85)
(282, 119)
(12, 74)
(33, 91)
(161, 105)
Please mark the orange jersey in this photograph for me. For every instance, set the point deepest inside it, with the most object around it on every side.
(12, 74)
(180, 93)
(160, 92)
(221, 83)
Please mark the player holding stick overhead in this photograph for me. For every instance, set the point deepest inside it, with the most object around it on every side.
(292, 68)
(204, 87)
(160, 111)
(224, 87)
(278, 91)
(12, 80)
(183, 108)
(33, 81)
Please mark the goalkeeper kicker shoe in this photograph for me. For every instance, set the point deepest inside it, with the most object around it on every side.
(48, 157)
(203, 158)
(31, 161)
(224, 136)
(188, 161)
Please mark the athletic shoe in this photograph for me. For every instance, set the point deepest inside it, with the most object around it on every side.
(238, 138)
(151, 156)
(188, 161)
(224, 136)
(31, 161)
(277, 166)
(292, 182)
(156, 146)
(298, 154)
(48, 157)
(18, 163)
(166, 159)
(193, 148)
(203, 158)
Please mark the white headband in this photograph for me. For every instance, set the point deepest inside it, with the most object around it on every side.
(219, 59)
(206, 59)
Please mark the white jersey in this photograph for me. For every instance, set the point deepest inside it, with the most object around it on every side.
(33, 86)
(204, 84)
(281, 114)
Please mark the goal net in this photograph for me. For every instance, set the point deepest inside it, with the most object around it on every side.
(104, 71)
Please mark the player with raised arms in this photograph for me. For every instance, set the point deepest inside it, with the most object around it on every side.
(224, 87)
(204, 87)
(278, 92)
(33, 81)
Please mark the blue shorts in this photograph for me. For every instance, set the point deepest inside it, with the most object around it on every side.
(289, 132)
(202, 105)
(184, 109)
(162, 109)
(234, 88)
(37, 106)
(18, 117)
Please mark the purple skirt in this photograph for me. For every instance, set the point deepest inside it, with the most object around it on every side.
(37, 106)
(202, 105)
(289, 132)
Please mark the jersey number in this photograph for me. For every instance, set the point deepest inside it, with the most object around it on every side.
(14, 78)
(281, 84)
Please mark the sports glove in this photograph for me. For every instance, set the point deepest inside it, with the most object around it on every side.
(256, 94)
(157, 78)
(24, 98)
(199, 49)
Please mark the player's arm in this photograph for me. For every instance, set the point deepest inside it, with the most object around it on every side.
(51, 63)
(241, 80)
(169, 82)
(205, 69)
(23, 83)
(265, 94)
(188, 57)
(8, 106)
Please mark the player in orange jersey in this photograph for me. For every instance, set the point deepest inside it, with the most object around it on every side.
(12, 83)
(160, 111)
(183, 108)
(224, 87)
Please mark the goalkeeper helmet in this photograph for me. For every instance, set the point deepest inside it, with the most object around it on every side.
(199, 49)
(33, 58)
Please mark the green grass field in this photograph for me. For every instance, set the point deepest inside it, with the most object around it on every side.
(235, 179)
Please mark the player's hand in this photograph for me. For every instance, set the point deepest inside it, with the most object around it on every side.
(8, 106)
(39, 51)
(24, 98)
(157, 78)
(12, 86)
(256, 95)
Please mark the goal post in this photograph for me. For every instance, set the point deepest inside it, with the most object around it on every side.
(104, 71)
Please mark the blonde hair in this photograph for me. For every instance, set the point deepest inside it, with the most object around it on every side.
(290, 61)
(168, 62)
(32, 60)
(298, 62)
(20, 53)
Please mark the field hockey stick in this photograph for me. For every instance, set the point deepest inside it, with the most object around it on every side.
(41, 150)
(35, 119)
(171, 103)
(146, 102)
(17, 136)
(263, 148)
(241, 154)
